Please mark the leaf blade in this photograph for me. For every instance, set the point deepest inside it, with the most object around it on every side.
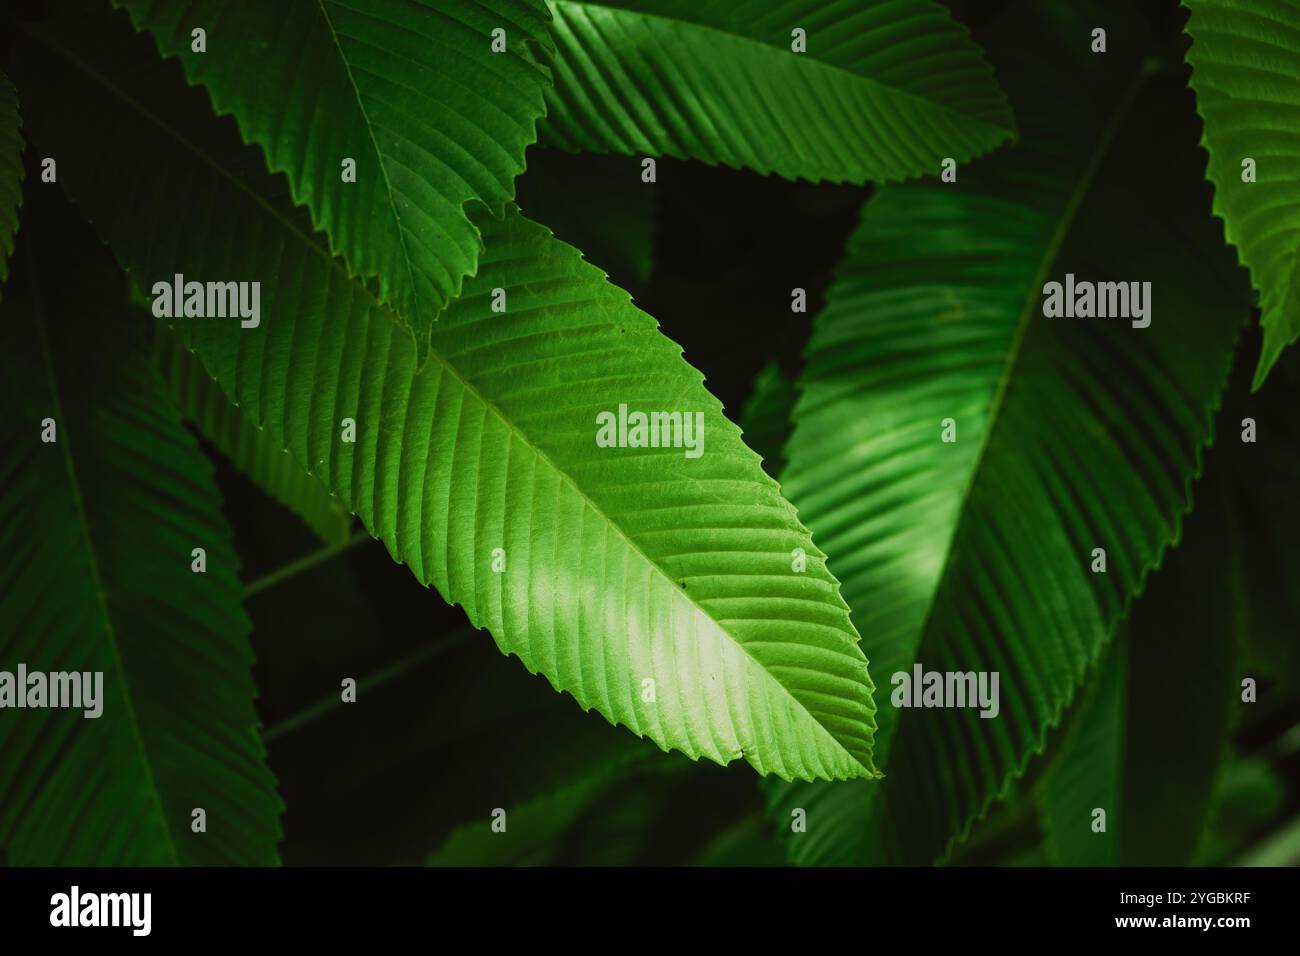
(202, 402)
(98, 579)
(387, 90)
(1244, 61)
(464, 454)
(719, 82)
(1146, 745)
(987, 567)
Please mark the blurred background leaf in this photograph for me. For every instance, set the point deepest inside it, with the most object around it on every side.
(98, 531)
(1245, 56)
(880, 91)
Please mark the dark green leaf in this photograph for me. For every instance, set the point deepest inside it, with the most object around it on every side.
(1072, 434)
(765, 419)
(1245, 58)
(97, 531)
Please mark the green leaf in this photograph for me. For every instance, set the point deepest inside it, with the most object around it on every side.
(1071, 433)
(747, 843)
(1251, 798)
(885, 90)
(1280, 849)
(1219, 610)
(1146, 748)
(1245, 58)
(11, 171)
(591, 822)
(533, 836)
(623, 565)
(765, 419)
(96, 536)
(202, 402)
(409, 89)
(1088, 775)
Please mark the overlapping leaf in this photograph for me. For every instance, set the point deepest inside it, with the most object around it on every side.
(627, 570)
(537, 834)
(591, 821)
(411, 90)
(1245, 58)
(1075, 434)
(202, 402)
(97, 530)
(1146, 746)
(885, 90)
(1148, 742)
(765, 418)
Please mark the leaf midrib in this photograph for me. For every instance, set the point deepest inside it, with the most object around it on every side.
(1100, 150)
(454, 373)
(804, 58)
(97, 583)
(379, 154)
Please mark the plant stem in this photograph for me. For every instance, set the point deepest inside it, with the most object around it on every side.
(370, 682)
(305, 563)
